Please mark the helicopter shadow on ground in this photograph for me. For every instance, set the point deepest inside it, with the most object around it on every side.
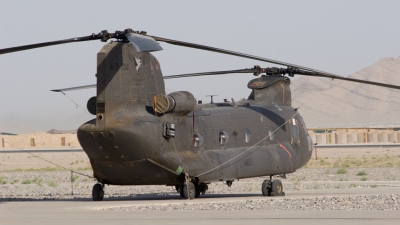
(131, 198)
(177, 197)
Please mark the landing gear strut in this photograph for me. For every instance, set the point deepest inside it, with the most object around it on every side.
(272, 187)
(98, 192)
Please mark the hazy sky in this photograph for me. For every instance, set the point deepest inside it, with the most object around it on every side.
(341, 37)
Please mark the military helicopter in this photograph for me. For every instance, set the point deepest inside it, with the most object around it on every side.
(143, 136)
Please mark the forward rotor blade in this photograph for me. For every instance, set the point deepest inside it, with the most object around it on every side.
(211, 73)
(45, 44)
(253, 70)
(355, 80)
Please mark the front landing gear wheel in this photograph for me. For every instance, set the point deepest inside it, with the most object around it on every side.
(189, 191)
(277, 188)
(97, 192)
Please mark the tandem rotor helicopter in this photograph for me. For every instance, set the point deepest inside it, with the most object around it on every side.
(143, 136)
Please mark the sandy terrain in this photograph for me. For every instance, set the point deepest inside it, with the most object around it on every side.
(355, 157)
(36, 161)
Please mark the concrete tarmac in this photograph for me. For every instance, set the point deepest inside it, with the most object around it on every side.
(85, 211)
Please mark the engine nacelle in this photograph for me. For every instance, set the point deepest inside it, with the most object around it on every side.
(180, 102)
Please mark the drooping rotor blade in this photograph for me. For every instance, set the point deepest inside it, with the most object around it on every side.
(75, 88)
(354, 80)
(293, 71)
(282, 71)
(313, 72)
(45, 44)
(256, 71)
(143, 43)
(223, 51)
(252, 70)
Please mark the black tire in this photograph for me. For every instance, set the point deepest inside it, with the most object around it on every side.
(189, 191)
(265, 189)
(181, 192)
(197, 190)
(203, 188)
(97, 192)
(277, 188)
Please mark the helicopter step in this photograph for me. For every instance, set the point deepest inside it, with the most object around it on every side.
(272, 187)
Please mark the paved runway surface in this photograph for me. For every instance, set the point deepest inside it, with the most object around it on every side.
(85, 211)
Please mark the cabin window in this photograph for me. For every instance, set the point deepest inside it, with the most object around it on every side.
(271, 133)
(223, 137)
(247, 136)
(197, 140)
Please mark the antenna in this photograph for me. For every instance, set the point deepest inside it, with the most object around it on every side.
(211, 97)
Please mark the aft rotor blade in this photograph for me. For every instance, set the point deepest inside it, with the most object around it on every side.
(223, 51)
(75, 88)
(45, 44)
(142, 43)
(314, 72)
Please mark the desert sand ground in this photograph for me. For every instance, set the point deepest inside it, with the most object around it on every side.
(344, 185)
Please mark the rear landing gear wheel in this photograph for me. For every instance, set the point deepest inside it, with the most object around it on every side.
(188, 191)
(98, 192)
